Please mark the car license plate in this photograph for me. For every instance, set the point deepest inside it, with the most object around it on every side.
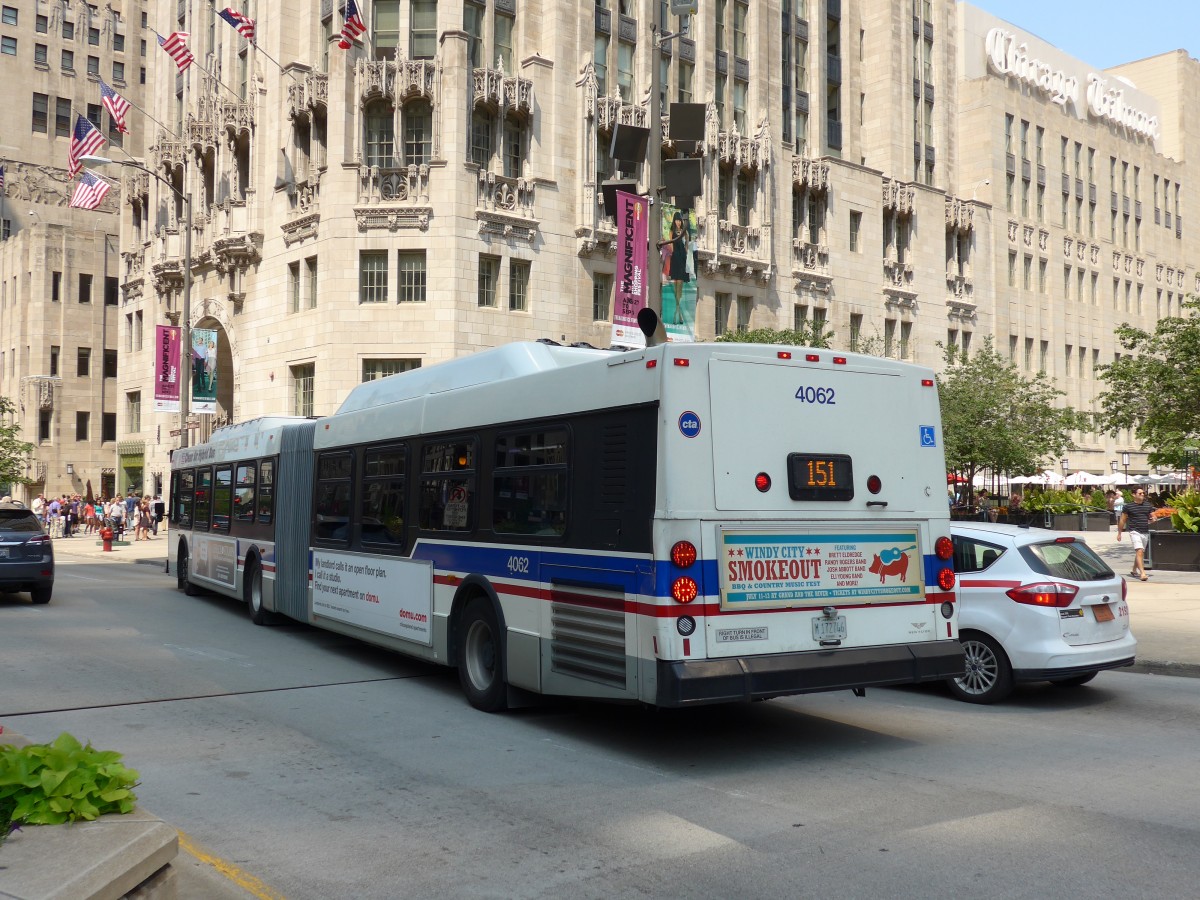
(1103, 612)
(825, 629)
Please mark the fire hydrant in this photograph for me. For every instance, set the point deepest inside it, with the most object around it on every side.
(106, 535)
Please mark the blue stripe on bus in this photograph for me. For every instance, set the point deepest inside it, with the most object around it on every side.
(505, 563)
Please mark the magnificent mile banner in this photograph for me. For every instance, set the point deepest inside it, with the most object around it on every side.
(633, 230)
(204, 370)
(166, 368)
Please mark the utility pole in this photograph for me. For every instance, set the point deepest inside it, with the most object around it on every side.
(654, 173)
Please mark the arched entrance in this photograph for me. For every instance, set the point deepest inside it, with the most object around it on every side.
(212, 377)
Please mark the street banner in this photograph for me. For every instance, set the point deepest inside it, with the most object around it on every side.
(678, 286)
(166, 368)
(204, 371)
(633, 231)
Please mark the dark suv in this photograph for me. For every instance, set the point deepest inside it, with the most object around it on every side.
(26, 553)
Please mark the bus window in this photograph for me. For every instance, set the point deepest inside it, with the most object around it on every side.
(223, 499)
(381, 515)
(447, 486)
(243, 493)
(203, 497)
(529, 485)
(184, 500)
(332, 509)
(266, 492)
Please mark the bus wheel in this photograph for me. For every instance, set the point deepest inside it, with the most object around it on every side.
(481, 657)
(254, 601)
(181, 573)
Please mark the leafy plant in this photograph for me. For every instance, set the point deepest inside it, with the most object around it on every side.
(1186, 517)
(810, 334)
(50, 784)
(14, 452)
(1056, 501)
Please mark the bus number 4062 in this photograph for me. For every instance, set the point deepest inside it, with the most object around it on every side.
(518, 564)
(809, 394)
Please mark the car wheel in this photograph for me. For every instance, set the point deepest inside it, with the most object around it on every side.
(1074, 681)
(41, 593)
(481, 657)
(254, 601)
(181, 573)
(988, 678)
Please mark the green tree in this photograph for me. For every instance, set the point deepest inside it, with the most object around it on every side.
(993, 417)
(1155, 389)
(812, 334)
(13, 451)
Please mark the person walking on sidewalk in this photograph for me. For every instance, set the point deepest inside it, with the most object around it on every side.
(1135, 518)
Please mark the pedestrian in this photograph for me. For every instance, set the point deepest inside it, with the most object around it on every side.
(116, 512)
(54, 517)
(159, 509)
(1135, 518)
(984, 506)
(89, 517)
(39, 509)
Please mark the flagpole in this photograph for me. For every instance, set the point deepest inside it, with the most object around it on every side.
(152, 119)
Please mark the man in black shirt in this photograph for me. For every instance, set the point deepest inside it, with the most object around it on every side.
(1135, 518)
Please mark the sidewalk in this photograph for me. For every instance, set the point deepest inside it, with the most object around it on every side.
(88, 547)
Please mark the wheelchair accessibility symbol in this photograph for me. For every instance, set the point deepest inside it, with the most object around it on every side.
(928, 436)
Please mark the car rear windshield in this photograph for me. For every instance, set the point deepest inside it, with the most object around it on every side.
(18, 521)
(1072, 560)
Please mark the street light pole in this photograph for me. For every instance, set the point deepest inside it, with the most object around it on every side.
(185, 316)
(1125, 463)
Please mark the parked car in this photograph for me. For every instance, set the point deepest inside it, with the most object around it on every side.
(26, 553)
(1034, 605)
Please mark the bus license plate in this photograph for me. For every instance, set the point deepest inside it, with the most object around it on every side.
(825, 629)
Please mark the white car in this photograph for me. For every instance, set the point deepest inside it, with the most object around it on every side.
(1034, 605)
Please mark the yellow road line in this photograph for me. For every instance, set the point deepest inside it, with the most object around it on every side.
(242, 879)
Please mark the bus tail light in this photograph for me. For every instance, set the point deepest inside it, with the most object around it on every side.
(946, 579)
(1046, 593)
(943, 547)
(874, 484)
(684, 589)
(683, 554)
(685, 625)
(762, 481)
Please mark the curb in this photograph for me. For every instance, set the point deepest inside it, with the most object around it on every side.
(122, 855)
(1156, 667)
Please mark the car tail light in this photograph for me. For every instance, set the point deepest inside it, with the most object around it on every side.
(1124, 589)
(1045, 593)
(683, 554)
(946, 579)
(684, 589)
(37, 546)
(943, 547)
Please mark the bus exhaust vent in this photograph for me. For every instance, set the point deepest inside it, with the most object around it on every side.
(588, 641)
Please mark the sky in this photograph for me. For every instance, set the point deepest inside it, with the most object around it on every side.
(1105, 33)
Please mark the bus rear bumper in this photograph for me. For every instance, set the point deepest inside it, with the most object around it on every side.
(694, 682)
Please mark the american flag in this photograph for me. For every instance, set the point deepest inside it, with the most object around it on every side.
(1, 179)
(354, 26)
(116, 105)
(176, 45)
(244, 25)
(90, 191)
(85, 141)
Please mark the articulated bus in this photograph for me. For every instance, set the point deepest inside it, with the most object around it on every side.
(679, 525)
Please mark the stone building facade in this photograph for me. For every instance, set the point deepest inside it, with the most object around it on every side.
(60, 267)
(435, 189)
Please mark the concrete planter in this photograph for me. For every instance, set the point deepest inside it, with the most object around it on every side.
(1173, 551)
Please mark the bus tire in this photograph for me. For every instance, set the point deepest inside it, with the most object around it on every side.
(481, 657)
(254, 596)
(181, 573)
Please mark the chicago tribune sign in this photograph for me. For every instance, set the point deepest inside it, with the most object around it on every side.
(1008, 54)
